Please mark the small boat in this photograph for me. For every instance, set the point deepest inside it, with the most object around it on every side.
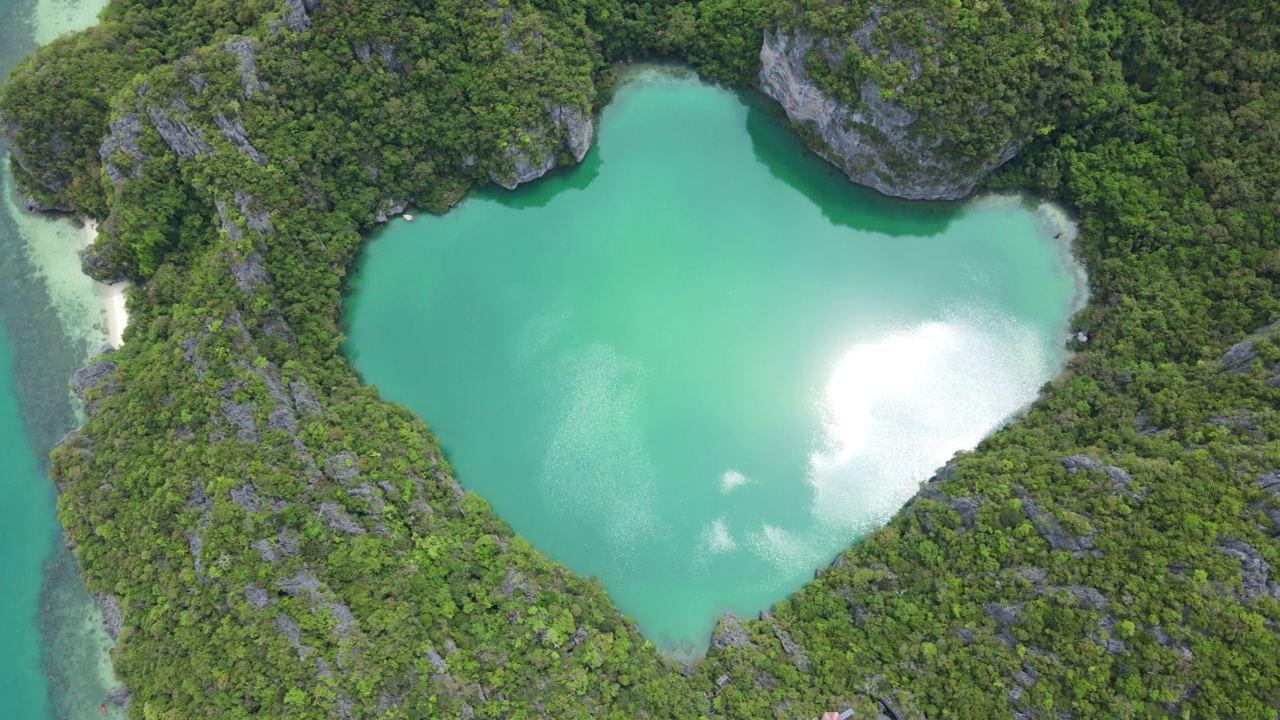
(407, 216)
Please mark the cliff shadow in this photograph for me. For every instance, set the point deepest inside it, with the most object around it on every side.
(779, 148)
(540, 192)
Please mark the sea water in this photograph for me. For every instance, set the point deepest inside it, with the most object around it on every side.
(701, 363)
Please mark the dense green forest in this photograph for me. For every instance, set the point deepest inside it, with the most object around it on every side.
(270, 539)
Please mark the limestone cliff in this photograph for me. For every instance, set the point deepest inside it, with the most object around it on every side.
(570, 129)
(879, 143)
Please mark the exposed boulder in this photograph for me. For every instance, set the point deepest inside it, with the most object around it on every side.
(1239, 358)
(878, 144)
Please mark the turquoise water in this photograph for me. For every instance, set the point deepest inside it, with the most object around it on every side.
(53, 661)
(26, 538)
(701, 363)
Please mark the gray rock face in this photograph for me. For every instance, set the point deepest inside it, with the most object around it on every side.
(1270, 482)
(121, 146)
(183, 139)
(228, 223)
(233, 131)
(244, 48)
(240, 415)
(1255, 571)
(98, 261)
(389, 209)
(575, 130)
(1052, 532)
(1088, 597)
(257, 217)
(90, 377)
(578, 128)
(438, 663)
(342, 466)
(256, 596)
(304, 399)
(249, 273)
(337, 518)
(296, 18)
(1238, 358)
(790, 647)
(112, 619)
(878, 144)
(523, 167)
(286, 625)
(967, 508)
(1076, 463)
(729, 634)
(119, 697)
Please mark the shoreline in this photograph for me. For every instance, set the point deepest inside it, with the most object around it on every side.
(112, 296)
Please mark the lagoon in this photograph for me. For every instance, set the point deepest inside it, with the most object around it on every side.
(701, 363)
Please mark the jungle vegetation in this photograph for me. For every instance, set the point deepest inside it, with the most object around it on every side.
(271, 539)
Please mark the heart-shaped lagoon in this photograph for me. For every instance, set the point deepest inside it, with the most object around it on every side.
(700, 364)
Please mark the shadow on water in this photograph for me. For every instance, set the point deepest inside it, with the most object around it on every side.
(541, 192)
(780, 149)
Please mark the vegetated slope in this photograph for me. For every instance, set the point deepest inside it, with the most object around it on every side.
(270, 539)
(278, 542)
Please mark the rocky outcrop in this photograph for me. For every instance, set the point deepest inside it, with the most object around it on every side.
(296, 18)
(183, 138)
(121, 148)
(233, 131)
(577, 127)
(112, 618)
(730, 633)
(967, 508)
(878, 144)
(570, 130)
(1052, 531)
(1254, 570)
(245, 48)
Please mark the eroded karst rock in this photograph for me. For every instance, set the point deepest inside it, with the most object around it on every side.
(879, 144)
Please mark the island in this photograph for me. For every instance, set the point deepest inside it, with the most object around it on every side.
(268, 538)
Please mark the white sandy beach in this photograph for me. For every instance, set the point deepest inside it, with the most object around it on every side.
(112, 297)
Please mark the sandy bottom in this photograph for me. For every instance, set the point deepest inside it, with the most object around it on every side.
(52, 18)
